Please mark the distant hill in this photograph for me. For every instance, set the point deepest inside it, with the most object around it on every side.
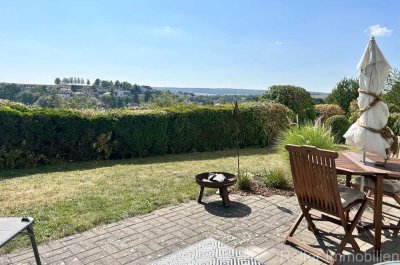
(226, 91)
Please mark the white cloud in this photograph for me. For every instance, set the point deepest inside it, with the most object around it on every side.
(168, 31)
(278, 43)
(378, 31)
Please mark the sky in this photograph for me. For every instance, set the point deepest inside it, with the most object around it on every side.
(195, 43)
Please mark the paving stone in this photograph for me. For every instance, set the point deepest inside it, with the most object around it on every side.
(141, 239)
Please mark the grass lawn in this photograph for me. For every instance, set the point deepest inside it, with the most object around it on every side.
(73, 197)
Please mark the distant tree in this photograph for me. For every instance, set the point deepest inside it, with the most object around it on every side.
(105, 83)
(97, 82)
(82, 81)
(75, 88)
(344, 92)
(57, 81)
(126, 85)
(81, 102)
(392, 97)
(295, 98)
(117, 84)
(136, 89)
(147, 96)
(71, 80)
(27, 97)
(65, 81)
(88, 82)
(166, 99)
(318, 101)
(393, 77)
(136, 99)
(49, 101)
(9, 91)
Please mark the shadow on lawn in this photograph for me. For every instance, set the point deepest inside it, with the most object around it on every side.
(87, 165)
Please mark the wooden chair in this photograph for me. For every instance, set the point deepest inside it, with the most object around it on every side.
(317, 190)
(391, 188)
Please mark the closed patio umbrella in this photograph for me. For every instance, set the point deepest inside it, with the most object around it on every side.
(370, 133)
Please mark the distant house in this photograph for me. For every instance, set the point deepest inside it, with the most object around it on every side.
(102, 90)
(121, 93)
(146, 87)
(65, 92)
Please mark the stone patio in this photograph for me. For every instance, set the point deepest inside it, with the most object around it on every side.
(253, 225)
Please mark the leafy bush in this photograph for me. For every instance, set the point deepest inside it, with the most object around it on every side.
(339, 125)
(318, 136)
(344, 92)
(394, 122)
(328, 110)
(354, 112)
(295, 98)
(276, 178)
(244, 181)
(34, 136)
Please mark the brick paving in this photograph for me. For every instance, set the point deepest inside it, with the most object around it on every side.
(254, 225)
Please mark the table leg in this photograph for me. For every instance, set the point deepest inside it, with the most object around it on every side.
(225, 196)
(200, 194)
(33, 242)
(378, 213)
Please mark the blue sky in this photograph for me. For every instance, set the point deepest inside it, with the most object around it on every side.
(202, 43)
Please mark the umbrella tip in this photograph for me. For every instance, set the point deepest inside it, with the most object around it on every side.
(372, 38)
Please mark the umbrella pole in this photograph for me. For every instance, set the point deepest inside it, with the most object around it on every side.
(363, 159)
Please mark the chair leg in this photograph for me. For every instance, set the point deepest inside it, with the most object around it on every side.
(33, 242)
(295, 225)
(396, 231)
(348, 238)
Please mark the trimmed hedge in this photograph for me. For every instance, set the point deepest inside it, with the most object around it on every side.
(328, 110)
(34, 136)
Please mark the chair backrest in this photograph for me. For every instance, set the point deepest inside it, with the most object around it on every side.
(314, 178)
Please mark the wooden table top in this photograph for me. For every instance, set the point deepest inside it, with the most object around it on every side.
(350, 162)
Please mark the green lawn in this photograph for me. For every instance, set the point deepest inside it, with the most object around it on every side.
(74, 197)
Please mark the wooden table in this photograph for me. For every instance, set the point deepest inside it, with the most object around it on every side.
(350, 164)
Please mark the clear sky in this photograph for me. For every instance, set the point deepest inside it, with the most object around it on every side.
(194, 43)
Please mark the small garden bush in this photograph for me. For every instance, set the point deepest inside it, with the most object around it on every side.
(394, 123)
(36, 136)
(244, 181)
(339, 125)
(318, 136)
(328, 110)
(276, 178)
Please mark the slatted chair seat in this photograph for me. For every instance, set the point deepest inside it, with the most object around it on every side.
(316, 187)
(389, 185)
(349, 196)
(391, 188)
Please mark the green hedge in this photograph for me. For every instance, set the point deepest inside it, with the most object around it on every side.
(34, 136)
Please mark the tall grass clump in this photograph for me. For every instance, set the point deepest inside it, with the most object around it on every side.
(276, 178)
(308, 134)
(244, 181)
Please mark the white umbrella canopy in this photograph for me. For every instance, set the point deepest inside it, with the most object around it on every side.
(369, 130)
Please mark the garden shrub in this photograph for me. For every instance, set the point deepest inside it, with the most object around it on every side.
(35, 136)
(339, 125)
(328, 110)
(276, 178)
(354, 112)
(244, 181)
(394, 123)
(318, 136)
(295, 98)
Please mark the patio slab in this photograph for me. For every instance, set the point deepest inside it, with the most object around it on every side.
(253, 225)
